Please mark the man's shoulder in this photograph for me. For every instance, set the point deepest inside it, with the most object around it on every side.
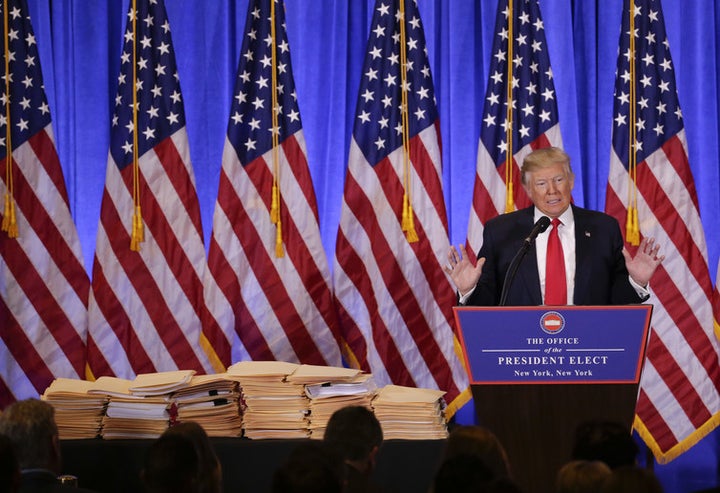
(591, 216)
(522, 215)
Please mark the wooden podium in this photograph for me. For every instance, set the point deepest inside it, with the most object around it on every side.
(539, 372)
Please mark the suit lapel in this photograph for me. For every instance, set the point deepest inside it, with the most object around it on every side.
(527, 273)
(583, 254)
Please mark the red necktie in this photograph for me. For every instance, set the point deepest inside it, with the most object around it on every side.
(555, 283)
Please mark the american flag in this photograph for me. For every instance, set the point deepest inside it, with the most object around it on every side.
(679, 394)
(146, 306)
(532, 119)
(716, 302)
(270, 286)
(43, 283)
(395, 300)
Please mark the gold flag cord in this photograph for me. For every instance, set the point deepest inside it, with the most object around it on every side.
(408, 220)
(509, 164)
(632, 228)
(137, 235)
(275, 199)
(9, 222)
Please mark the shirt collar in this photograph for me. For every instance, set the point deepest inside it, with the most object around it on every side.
(566, 217)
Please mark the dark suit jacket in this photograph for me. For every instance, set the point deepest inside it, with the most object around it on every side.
(37, 481)
(601, 277)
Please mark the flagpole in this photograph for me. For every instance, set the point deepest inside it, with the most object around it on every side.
(9, 222)
(509, 161)
(275, 200)
(632, 229)
(137, 235)
(408, 221)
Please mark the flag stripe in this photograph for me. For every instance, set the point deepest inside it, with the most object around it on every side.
(43, 147)
(22, 350)
(6, 394)
(377, 346)
(260, 261)
(120, 344)
(224, 267)
(145, 286)
(181, 179)
(665, 437)
(54, 318)
(406, 313)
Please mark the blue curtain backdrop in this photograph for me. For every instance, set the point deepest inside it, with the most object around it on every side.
(80, 40)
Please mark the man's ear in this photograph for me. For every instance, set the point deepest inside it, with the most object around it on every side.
(56, 454)
(372, 456)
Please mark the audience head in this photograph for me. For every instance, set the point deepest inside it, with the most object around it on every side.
(462, 473)
(607, 441)
(632, 479)
(210, 469)
(9, 467)
(30, 426)
(171, 465)
(582, 476)
(355, 435)
(483, 444)
(502, 485)
(310, 468)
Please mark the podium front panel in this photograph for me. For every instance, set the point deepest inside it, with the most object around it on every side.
(554, 345)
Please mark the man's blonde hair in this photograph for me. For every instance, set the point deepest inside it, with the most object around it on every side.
(544, 158)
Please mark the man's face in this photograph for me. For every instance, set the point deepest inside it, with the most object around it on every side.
(550, 189)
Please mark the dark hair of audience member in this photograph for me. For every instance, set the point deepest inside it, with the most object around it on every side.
(210, 469)
(354, 433)
(607, 441)
(9, 467)
(482, 443)
(502, 485)
(582, 476)
(462, 473)
(632, 479)
(30, 426)
(310, 468)
(171, 465)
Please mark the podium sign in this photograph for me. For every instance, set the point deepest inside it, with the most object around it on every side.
(554, 345)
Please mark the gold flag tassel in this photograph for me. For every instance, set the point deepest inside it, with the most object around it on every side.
(275, 199)
(6, 212)
(9, 222)
(408, 217)
(138, 232)
(509, 162)
(408, 220)
(632, 227)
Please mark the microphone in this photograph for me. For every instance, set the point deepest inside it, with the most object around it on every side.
(540, 226)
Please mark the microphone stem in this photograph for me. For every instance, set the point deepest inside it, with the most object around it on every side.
(512, 270)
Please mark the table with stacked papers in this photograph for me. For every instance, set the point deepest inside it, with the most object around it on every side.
(113, 466)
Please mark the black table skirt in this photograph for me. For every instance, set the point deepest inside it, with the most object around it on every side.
(114, 465)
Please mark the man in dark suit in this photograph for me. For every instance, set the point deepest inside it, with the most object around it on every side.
(597, 269)
(30, 426)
